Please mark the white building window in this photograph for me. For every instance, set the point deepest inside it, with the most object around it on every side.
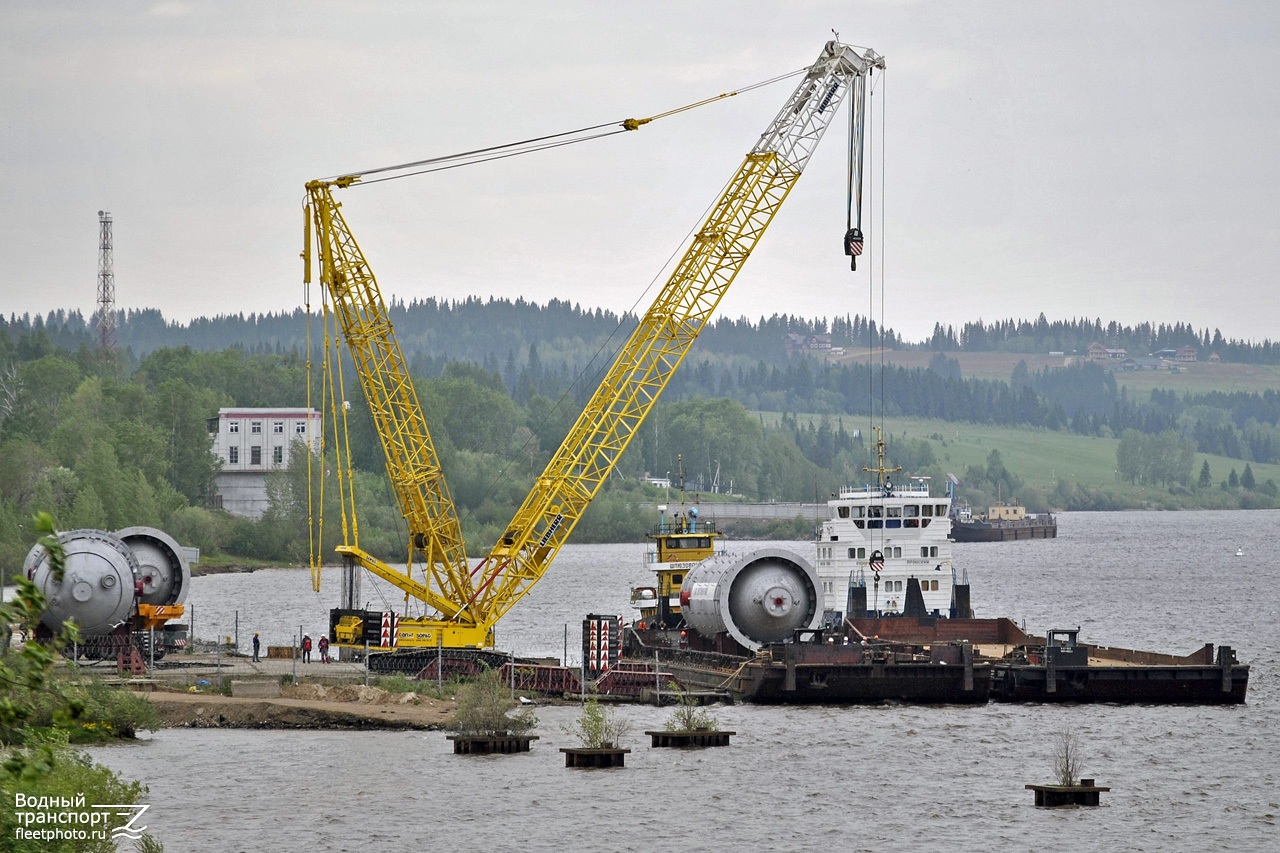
(255, 427)
(277, 455)
(300, 428)
(255, 455)
(278, 427)
(233, 427)
(233, 455)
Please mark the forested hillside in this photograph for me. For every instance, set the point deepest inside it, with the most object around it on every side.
(110, 441)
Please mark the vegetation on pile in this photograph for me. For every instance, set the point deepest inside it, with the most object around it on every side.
(485, 707)
(597, 726)
(689, 715)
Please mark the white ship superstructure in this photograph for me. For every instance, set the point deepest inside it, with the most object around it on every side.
(902, 531)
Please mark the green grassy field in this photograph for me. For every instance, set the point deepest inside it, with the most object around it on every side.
(1039, 457)
(1195, 378)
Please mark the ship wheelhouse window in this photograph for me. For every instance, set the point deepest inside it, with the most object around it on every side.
(940, 510)
(856, 511)
(893, 522)
(926, 510)
(875, 511)
(924, 522)
(842, 511)
(893, 511)
(875, 524)
(910, 511)
(858, 523)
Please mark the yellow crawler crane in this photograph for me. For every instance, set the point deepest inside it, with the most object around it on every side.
(469, 601)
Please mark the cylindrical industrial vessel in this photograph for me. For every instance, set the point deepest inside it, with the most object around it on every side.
(98, 588)
(757, 598)
(162, 565)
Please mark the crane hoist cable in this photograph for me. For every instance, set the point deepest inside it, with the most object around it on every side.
(853, 212)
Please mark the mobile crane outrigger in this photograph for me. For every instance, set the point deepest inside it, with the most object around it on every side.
(469, 600)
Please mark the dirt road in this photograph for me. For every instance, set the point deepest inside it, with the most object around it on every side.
(305, 707)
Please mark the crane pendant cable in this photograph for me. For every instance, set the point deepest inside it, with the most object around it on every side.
(529, 146)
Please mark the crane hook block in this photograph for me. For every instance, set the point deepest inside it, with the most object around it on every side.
(853, 246)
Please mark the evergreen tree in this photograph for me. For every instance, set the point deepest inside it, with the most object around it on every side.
(1246, 479)
(1206, 479)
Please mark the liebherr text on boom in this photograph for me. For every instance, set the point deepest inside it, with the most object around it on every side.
(470, 600)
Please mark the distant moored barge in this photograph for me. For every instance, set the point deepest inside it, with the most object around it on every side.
(1002, 523)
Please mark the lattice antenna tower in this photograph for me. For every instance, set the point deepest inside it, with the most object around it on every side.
(106, 286)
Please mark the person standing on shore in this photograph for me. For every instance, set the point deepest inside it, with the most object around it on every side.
(306, 648)
(324, 649)
(257, 644)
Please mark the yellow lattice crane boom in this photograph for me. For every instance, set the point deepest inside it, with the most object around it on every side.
(470, 601)
(412, 465)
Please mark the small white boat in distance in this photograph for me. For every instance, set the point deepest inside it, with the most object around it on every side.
(1239, 552)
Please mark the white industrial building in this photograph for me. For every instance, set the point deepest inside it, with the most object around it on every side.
(250, 444)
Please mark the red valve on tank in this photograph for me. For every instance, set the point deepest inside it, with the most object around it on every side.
(684, 597)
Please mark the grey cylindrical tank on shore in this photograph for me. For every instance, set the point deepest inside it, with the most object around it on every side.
(757, 598)
(98, 588)
(162, 565)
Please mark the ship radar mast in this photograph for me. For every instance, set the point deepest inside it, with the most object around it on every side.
(881, 472)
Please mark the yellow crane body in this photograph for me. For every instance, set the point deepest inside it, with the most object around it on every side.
(470, 601)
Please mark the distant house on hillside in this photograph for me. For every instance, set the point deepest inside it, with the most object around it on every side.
(1214, 358)
(795, 342)
(1097, 352)
(1183, 354)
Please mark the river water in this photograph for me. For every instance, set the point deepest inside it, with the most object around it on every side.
(795, 779)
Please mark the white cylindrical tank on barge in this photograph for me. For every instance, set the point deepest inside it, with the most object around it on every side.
(757, 598)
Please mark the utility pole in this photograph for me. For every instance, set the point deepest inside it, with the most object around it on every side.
(106, 287)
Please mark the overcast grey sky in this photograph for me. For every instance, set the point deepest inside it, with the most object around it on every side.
(1085, 159)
